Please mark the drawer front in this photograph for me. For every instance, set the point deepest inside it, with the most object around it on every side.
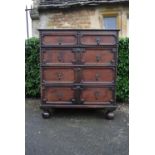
(98, 95)
(99, 56)
(98, 75)
(57, 56)
(59, 38)
(77, 95)
(57, 94)
(98, 38)
(58, 75)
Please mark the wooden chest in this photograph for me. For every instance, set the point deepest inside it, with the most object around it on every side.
(78, 69)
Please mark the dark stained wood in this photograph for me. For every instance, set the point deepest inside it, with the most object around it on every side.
(98, 95)
(98, 38)
(98, 75)
(78, 68)
(58, 75)
(58, 94)
(99, 56)
(64, 56)
(59, 38)
(95, 106)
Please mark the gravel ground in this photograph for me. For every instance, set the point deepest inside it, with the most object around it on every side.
(76, 132)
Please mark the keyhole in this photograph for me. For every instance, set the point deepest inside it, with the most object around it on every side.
(60, 57)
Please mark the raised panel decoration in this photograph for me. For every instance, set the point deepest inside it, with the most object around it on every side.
(58, 75)
(59, 39)
(58, 94)
(98, 95)
(98, 75)
(98, 56)
(58, 56)
(98, 39)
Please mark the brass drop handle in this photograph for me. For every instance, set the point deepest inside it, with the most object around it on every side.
(98, 58)
(60, 40)
(98, 40)
(97, 76)
(97, 94)
(60, 95)
(60, 57)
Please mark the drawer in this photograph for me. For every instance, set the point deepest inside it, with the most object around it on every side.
(98, 38)
(99, 56)
(58, 38)
(78, 95)
(78, 75)
(60, 95)
(97, 95)
(58, 75)
(98, 75)
(61, 56)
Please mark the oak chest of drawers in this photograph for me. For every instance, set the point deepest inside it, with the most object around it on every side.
(78, 69)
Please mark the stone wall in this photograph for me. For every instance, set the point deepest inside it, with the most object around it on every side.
(35, 26)
(69, 19)
(35, 3)
(85, 18)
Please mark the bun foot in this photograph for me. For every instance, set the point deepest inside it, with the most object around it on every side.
(110, 115)
(46, 115)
